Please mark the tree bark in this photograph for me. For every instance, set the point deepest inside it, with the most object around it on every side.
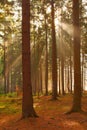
(54, 55)
(46, 70)
(27, 104)
(77, 70)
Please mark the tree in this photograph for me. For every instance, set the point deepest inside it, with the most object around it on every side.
(46, 70)
(77, 70)
(54, 55)
(27, 104)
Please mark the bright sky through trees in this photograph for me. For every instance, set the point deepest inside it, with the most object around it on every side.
(46, 32)
(39, 22)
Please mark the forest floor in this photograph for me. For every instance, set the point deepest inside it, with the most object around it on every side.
(51, 114)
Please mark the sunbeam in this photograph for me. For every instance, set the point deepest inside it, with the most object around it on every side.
(16, 62)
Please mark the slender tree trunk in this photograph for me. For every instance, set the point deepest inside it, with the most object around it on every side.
(62, 73)
(70, 73)
(59, 78)
(82, 65)
(8, 83)
(34, 65)
(4, 69)
(41, 84)
(46, 70)
(54, 55)
(68, 81)
(38, 84)
(62, 62)
(27, 104)
(82, 74)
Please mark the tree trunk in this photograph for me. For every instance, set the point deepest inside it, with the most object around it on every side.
(54, 55)
(5, 69)
(70, 73)
(46, 70)
(59, 77)
(68, 79)
(27, 104)
(62, 74)
(41, 84)
(62, 62)
(8, 83)
(82, 74)
(77, 70)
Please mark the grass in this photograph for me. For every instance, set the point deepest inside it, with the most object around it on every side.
(10, 103)
(51, 113)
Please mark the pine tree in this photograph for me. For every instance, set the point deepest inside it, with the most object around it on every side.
(27, 105)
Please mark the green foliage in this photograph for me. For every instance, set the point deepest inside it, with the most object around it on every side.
(10, 41)
(11, 38)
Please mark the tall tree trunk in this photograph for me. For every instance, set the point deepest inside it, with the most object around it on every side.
(77, 70)
(68, 78)
(82, 74)
(82, 51)
(62, 61)
(41, 84)
(59, 77)
(54, 55)
(46, 70)
(70, 75)
(27, 104)
(62, 74)
(70, 70)
(12, 88)
(8, 83)
(4, 69)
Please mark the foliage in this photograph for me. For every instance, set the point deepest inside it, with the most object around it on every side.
(10, 35)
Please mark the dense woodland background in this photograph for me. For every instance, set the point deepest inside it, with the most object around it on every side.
(57, 40)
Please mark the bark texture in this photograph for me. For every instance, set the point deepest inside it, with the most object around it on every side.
(27, 105)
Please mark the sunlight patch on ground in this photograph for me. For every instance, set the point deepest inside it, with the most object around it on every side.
(71, 123)
(35, 105)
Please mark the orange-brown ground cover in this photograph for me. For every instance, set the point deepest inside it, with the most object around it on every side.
(51, 116)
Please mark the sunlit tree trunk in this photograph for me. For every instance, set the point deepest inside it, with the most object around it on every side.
(54, 55)
(77, 70)
(6, 69)
(34, 64)
(62, 61)
(27, 104)
(38, 70)
(82, 74)
(62, 73)
(70, 70)
(68, 78)
(82, 51)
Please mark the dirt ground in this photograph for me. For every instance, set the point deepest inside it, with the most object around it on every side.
(51, 116)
